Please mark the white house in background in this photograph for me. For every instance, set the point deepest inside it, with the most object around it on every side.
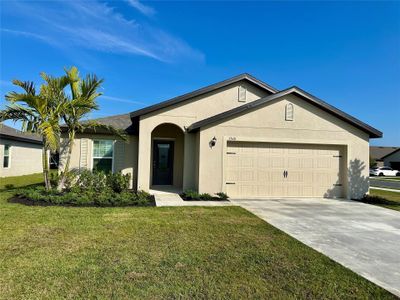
(20, 152)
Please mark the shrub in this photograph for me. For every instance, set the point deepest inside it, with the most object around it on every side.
(89, 188)
(222, 196)
(9, 186)
(206, 196)
(118, 182)
(191, 195)
(374, 199)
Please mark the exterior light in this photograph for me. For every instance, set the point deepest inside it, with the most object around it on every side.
(213, 142)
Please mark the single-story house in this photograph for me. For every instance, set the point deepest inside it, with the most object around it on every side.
(386, 156)
(239, 136)
(20, 152)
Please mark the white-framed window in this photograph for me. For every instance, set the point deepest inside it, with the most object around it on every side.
(103, 155)
(289, 112)
(242, 94)
(7, 156)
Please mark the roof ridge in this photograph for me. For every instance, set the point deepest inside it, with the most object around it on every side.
(305, 95)
(201, 91)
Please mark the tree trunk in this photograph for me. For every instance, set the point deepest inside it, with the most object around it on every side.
(64, 173)
(45, 164)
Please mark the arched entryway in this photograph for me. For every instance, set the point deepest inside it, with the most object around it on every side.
(167, 156)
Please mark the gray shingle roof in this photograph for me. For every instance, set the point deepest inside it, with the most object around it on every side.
(378, 152)
(122, 122)
(7, 132)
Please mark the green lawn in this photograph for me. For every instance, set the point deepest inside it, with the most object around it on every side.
(18, 181)
(158, 253)
(393, 198)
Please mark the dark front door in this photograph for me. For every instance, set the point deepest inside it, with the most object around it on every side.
(163, 161)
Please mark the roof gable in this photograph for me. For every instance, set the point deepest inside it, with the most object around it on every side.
(379, 152)
(374, 133)
(391, 153)
(202, 91)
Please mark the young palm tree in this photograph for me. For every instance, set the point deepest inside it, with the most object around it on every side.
(84, 93)
(39, 113)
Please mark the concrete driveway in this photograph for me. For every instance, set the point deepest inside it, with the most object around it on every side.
(362, 237)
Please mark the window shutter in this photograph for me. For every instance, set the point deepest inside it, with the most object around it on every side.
(119, 156)
(84, 157)
(242, 94)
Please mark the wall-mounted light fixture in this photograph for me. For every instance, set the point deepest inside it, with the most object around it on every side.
(213, 142)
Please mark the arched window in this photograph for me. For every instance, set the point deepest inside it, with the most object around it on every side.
(289, 112)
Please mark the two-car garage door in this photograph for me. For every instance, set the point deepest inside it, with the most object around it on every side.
(283, 170)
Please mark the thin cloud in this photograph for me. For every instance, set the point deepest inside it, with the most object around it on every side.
(110, 98)
(96, 26)
(144, 9)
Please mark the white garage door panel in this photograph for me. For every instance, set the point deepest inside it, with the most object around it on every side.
(257, 170)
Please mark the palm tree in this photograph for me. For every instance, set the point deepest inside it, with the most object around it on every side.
(84, 93)
(39, 113)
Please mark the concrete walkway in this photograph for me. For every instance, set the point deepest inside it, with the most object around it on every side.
(365, 238)
(163, 198)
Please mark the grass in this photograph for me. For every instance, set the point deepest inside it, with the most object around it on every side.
(18, 181)
(392, 198)
(158, 253)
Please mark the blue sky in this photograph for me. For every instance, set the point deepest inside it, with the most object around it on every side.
(347, 53)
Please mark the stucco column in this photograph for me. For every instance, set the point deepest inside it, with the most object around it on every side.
(144, 157)
(189, 162)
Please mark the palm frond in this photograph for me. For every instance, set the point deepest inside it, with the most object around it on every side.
(29, 99)
(74, 81)
(51, 131)
(28, 86)
(16, 112)
(90, 85)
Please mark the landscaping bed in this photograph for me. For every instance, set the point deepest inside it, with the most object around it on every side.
(86, 189)
(190, 195)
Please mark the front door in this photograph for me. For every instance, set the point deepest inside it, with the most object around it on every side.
(163, 162)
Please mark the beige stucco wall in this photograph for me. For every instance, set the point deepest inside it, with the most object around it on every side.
(310, 125)
(183, 115)
(125, 154)
(25, 158)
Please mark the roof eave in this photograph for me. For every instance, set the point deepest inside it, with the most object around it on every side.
(202, 91)
(373, 133)
(20, 139)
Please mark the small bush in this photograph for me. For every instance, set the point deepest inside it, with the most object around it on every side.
(118, 182)
(9, 186)
(222, 196)
(191, 195)
(374, 200)
(206, 196)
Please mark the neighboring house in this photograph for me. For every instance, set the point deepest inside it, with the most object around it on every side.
(20, 152)
(238, 136)
(385, 156)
